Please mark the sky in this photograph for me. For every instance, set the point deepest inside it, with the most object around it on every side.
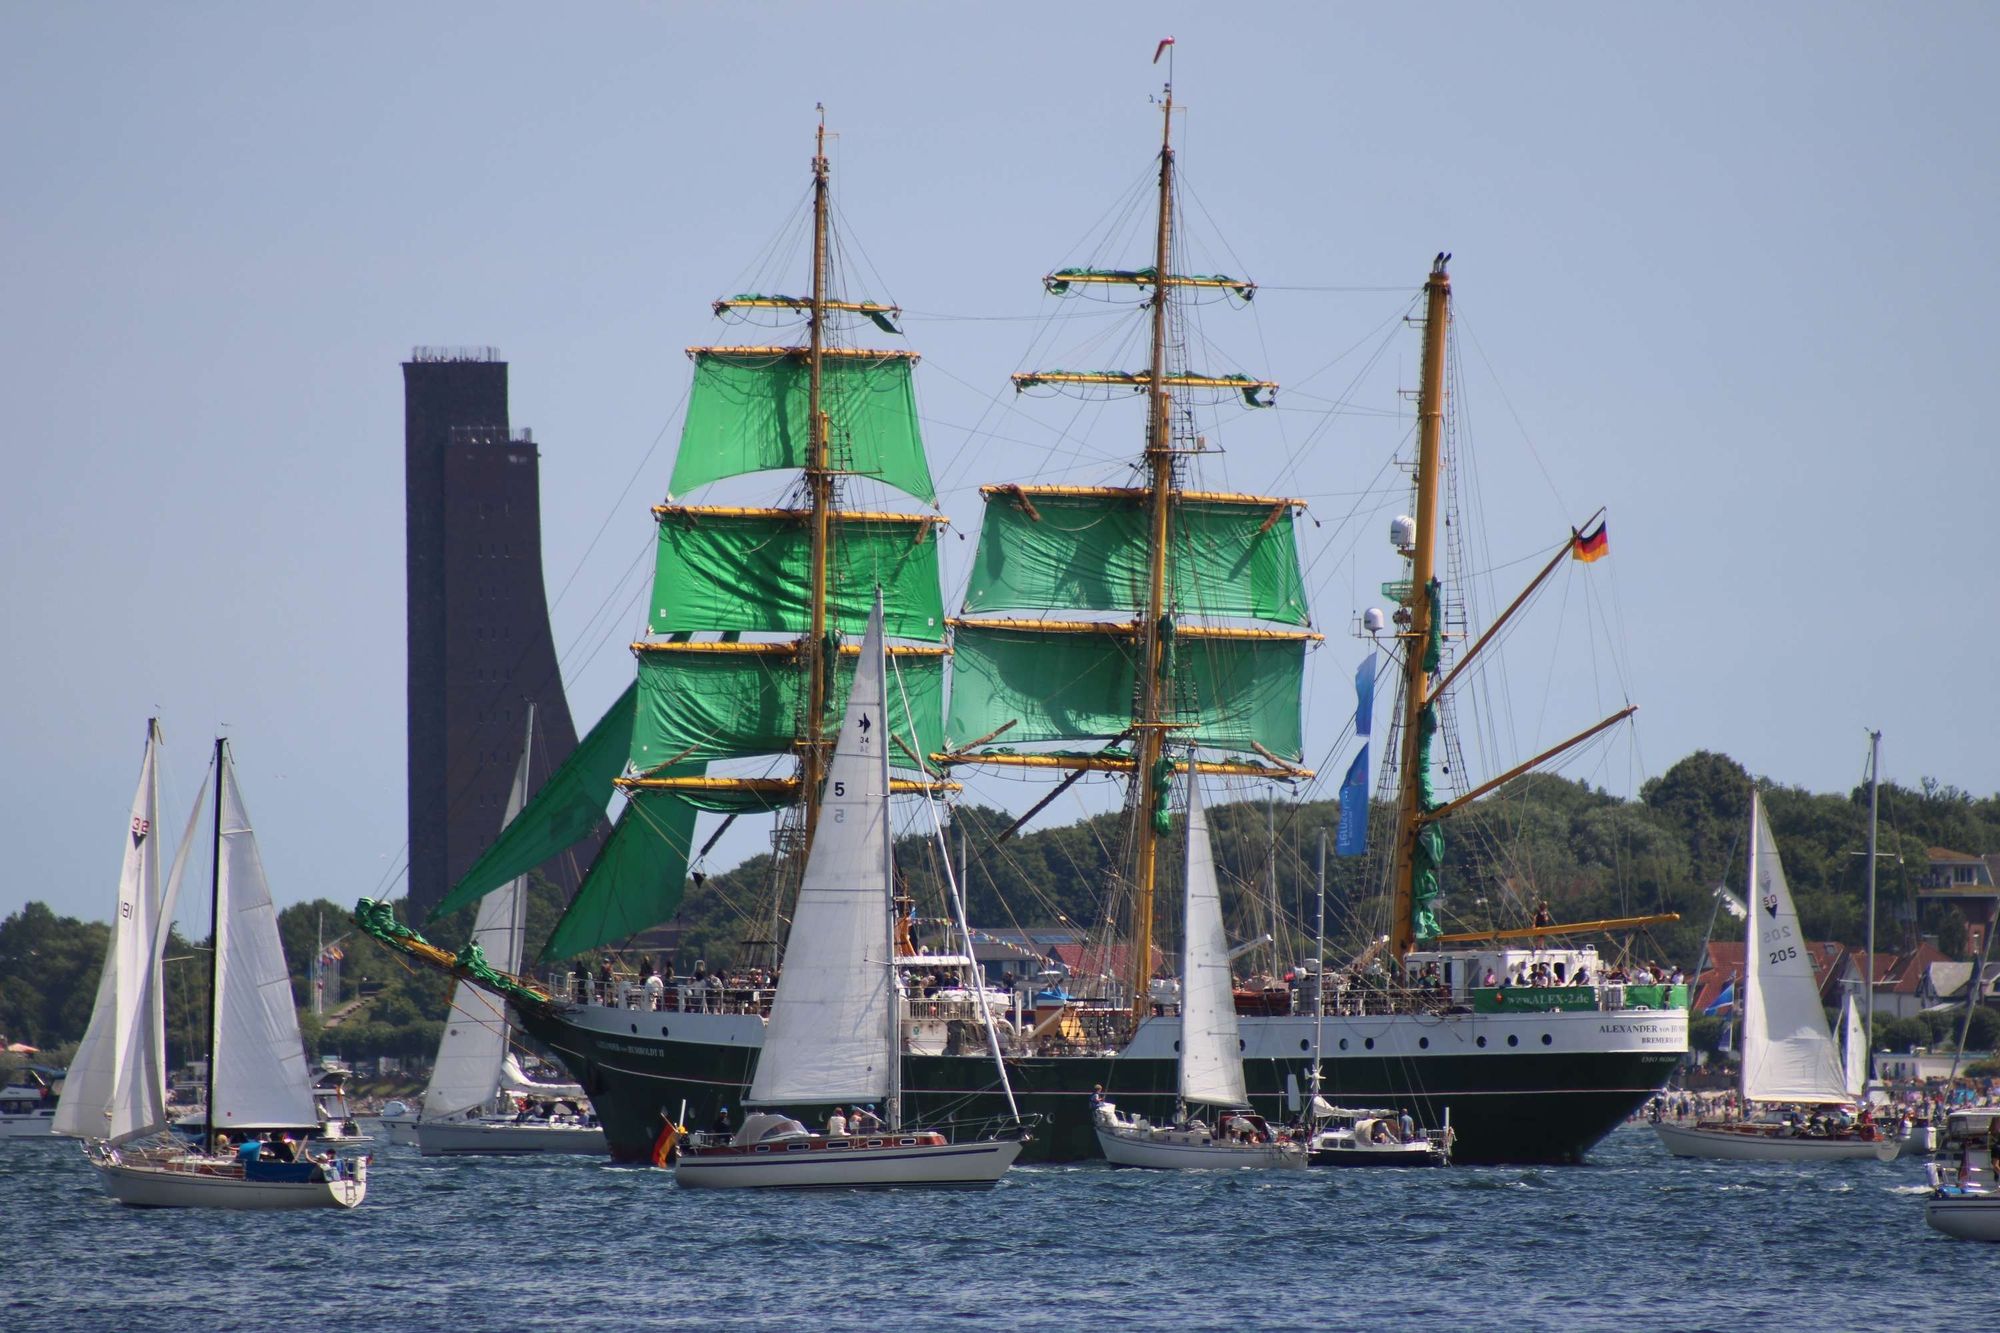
(1724, 270)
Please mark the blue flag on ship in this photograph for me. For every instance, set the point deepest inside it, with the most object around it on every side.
(1364, 697)
(1726, 1000)
(1352, 839)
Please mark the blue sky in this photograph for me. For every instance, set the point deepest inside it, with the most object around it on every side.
(1720, 268)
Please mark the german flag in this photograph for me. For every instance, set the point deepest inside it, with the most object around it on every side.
(663, 1146)
(1592, 545)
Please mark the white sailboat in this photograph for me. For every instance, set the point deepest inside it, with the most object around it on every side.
(1853, 1050)
(834, 1034)
(467, 1109)
(1790, 1060)
(257, 1081)
(1211, 1060)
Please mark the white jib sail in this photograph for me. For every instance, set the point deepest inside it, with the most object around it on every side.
(1211, 1053)
(1853, 1048)
(474, 1045)
(828, 1039)
(1788, 1054)
(259, 1072)
(116, 1088)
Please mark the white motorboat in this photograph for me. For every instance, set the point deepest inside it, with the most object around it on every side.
(1790, 1059)
(835, 1028)
(502, 1136)
(28, 1106)
(1964, 1201)
(116, 1096)
(1211, 1063)
(1345, 1137)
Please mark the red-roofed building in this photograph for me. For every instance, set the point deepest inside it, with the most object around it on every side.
(1088, 962)
(1899, 978)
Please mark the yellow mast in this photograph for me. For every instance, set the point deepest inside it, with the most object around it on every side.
(819, 482)
(1160, 476)
(1423, 567)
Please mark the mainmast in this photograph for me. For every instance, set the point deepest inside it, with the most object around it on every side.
(1418, 663)
(819, 485)
(215, 951)
(1160, 479)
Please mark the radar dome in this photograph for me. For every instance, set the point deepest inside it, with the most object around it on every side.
(1402, 532)
(1372, 620)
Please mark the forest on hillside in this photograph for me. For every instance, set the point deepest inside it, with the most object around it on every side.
(1590, 854)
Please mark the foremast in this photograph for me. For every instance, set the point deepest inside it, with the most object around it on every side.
(744, 657)
(1155, 687)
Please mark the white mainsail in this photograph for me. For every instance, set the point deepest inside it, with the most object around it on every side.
(116, 1086)
(829, 1037)
(258, 1075)
(474, 1045)
(1853, 1048)
(1211, 1053)
(1788, 1054)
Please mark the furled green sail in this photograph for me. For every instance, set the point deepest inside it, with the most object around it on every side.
(565, 811)
(1051, 552)
(1429, 853)
(1235, 694)
(716, 705)
(752, 572)
(636, 881)
(748, 410)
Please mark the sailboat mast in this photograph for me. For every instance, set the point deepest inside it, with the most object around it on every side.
(214, 952)
(1874, 777)
(1160, 477)
(819, 484)
(1319, 974)
(1423, 568)
(881, 774)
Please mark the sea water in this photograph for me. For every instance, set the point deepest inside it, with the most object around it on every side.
(1635, 1240)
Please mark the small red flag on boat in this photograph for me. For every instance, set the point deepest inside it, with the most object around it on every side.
(1592, 545)
(1161, 49)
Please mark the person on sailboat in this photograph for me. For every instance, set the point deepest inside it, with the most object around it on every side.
(836, 1125)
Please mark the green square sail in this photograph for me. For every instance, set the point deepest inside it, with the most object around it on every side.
(747, 413)
(742, 572)
(1054, 552)
(698, 706)
(569, 806)
(638, 878)
(1052, 686)
(1233, 694)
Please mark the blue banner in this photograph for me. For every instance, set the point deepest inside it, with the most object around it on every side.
(1364, 697)
(1352, 839)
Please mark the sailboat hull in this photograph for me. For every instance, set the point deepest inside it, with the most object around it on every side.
(1721, 1144)
(1965, 1218)
(504, 1138)
(919, 1166)
(186, 1184)
(1513, 1097)
(1191, 1150)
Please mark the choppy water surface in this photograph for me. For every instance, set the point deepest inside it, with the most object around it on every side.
(1636, 1240)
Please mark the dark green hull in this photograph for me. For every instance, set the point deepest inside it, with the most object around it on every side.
(1525, 1107)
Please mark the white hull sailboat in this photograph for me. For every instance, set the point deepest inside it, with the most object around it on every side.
(1211, 1063)
(467, 1105)
(835, 1030)
(1789, 1058)
(115, 1098)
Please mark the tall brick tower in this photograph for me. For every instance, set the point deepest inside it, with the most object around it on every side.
(478, 618)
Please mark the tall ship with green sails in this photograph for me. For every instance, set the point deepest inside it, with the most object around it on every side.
(1155, 631)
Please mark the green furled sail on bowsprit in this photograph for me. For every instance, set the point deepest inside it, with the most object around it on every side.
(755, 617)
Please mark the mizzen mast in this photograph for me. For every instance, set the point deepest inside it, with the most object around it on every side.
(1416, 850)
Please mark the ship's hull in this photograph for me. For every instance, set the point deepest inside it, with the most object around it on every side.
(1520, 1087)
(35, 1125)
